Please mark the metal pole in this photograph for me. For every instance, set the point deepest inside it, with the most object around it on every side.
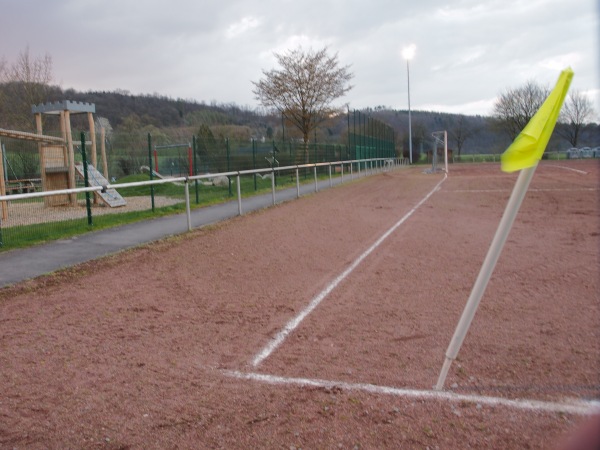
(150, 166)
(297, 184)
(254, 162)
(88, 203)
(348, 145)
(228, 165)
(316, 185)
(273, 184)
(446, 151)
(187, 204)
(410, 152)
(195, 150)
(239, 194)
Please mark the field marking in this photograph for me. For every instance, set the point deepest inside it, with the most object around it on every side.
(570, 406)
(568, 168)
(293, 324)
(528, 190)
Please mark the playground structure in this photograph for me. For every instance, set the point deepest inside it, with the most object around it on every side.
(57, 156)
(57, 159)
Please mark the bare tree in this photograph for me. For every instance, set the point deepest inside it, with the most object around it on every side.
(305, 87)
(515, 107)
(577, 111)
(460, 131)
(25, 82)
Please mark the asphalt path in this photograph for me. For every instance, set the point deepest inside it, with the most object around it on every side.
(24, 264)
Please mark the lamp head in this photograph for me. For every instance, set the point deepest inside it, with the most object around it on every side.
(408, 52)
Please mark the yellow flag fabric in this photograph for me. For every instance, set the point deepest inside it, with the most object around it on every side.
(528, 147)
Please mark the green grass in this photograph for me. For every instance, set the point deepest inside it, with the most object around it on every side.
(29, 235)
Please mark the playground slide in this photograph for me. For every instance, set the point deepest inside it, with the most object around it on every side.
(110, 196)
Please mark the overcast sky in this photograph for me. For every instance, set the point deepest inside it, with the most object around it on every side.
(467, 51)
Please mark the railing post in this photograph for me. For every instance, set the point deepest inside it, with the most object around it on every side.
(330, 179)
(297, 183)
(316, 184)
(239, 194)
(273, 184)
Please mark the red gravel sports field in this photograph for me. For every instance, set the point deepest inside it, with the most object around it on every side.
(323, 323)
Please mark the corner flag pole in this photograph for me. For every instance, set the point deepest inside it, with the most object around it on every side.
(523, 154)
(485, 273)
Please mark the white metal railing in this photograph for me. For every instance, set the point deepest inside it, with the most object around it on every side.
(369, 166)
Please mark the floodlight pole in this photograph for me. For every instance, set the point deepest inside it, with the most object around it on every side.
(410, 152)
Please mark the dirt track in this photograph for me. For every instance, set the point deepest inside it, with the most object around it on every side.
(137, 350)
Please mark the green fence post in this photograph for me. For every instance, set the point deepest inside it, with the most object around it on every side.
(254, 162)
(150, 165)
(316, 154)
(228, 165)
(348, 143)
(273, 152)
(88, 203)
(195, 150)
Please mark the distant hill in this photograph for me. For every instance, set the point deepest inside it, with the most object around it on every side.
(127, 112)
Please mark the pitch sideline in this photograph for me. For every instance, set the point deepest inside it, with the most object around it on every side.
(280, 337)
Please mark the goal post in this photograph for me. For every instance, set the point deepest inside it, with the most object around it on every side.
(440, 138)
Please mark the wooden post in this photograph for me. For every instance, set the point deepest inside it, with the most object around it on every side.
(103, 152)
(38, 124)
(93, 139)
(94, 159)
(71, 168)
(4, 205)
(63, 131)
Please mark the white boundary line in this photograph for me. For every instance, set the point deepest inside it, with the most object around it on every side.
(568, 168)
(528, 190)
(293, 324)
(569, 406)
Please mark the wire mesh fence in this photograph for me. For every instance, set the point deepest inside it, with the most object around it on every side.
(28, 166)
(31, 218)
(51, 163)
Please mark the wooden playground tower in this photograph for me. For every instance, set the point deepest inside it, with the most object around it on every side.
(56, 154)
(57, 160)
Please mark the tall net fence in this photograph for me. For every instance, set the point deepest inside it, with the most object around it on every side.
(369, 137)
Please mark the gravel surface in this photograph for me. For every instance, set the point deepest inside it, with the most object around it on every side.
(30, 213)
(155, 347)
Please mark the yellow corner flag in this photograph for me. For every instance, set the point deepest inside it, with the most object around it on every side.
(528, 147)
